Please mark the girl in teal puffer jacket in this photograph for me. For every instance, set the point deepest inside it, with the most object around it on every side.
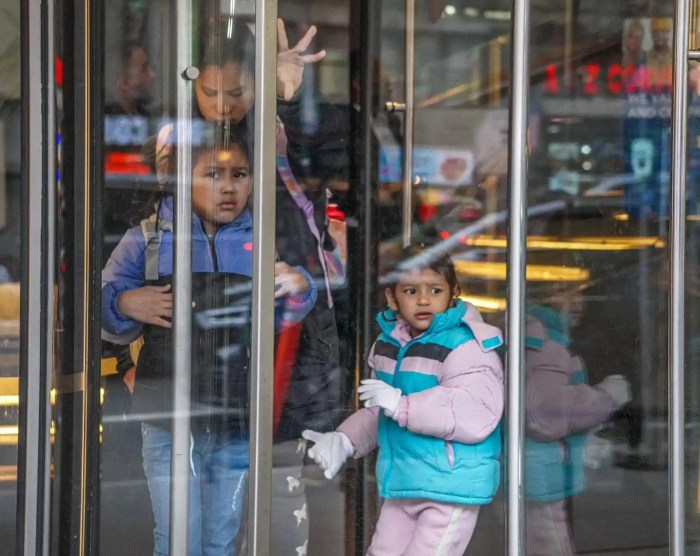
(433, 406)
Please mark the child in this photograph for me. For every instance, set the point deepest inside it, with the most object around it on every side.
(433, 406)
(310, 396)
(137, 299)
(561, 410)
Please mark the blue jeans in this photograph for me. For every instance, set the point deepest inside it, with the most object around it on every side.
(218, 481)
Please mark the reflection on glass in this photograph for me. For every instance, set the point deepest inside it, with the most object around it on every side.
(563, 412)
(10, 180)
(596, 473)
(135, 98)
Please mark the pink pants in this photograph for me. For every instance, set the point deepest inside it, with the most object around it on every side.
(548, 532)
(417, 527)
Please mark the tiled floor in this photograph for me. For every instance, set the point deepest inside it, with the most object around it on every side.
(622, 511)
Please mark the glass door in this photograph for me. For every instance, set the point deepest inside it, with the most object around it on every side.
(239, 215)
(194, 292)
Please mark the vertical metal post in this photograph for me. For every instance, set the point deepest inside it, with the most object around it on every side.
(408, 121)
(50, 258)
(676, 326)
(182, 294)
(517, 232)
(34, 386)
(262, 355)
(364, 256)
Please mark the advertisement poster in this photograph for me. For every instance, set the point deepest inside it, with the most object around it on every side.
(431, 165)
(647, 125)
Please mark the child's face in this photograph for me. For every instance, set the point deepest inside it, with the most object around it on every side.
(221, 185)
(570, 303)
(418, 297)
(224, 92)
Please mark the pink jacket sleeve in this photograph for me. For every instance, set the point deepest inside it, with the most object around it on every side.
(555, 407)
(361, 429)
(361, 426)
(467, 404)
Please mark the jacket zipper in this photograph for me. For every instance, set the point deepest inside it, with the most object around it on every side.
(212, 248)
(390, 459)
(212, 296)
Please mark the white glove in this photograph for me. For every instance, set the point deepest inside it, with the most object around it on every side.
(330, 450)
(617, 387)
(377, 393)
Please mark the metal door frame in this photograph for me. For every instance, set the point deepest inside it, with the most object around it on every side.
(33, 463)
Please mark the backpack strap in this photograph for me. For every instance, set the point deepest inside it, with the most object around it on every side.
(153, 239)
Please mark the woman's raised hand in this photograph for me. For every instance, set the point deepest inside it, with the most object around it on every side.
(290, 62)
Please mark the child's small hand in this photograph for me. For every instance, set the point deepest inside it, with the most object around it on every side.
(377, 393)
(330, 450)
(289, 281)
(149, 304)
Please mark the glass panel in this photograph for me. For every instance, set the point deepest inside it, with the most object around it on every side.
(599, 150)
(10, 222)
(456, 191)
(143, 140)
(596, 385)
(139, 83)
(313, 358)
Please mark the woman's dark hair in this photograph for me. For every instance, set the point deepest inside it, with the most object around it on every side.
(564, 259)
(422, 256)
(227, 40)
(219, 136)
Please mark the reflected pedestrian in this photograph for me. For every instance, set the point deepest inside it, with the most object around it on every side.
(633, 53)
(135, 82)
(660, 56)
(562, 409)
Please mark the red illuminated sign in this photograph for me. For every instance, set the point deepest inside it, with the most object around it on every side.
(596, 79)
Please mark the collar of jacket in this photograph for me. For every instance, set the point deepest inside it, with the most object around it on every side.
(397, 328)
(552, 324)
(244, 220)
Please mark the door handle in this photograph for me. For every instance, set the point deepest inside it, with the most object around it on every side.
(392, 107)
